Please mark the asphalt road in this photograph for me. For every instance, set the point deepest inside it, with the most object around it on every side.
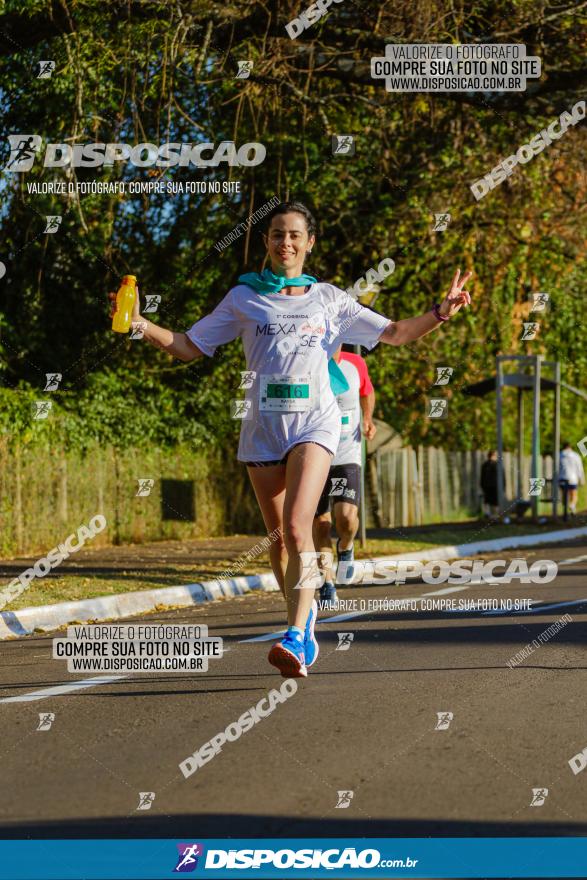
(364, 721)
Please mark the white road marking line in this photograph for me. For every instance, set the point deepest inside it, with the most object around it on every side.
(445, 591)
(61, 689)
(571, 561)
(340, 618)
(483, 582)
(538, 608)
(275, 635)
(264, 638)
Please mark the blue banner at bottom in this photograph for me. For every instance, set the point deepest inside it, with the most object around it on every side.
(415, 857)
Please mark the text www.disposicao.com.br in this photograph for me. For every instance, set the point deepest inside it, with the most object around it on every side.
(135, 664)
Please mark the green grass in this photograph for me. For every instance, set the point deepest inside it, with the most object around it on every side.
(439, 537)
(69, 585)
(74, 585)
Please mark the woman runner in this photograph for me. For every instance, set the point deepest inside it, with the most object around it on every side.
(290, 325)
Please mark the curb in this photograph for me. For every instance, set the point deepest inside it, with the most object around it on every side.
(50, 617)
(457, 551)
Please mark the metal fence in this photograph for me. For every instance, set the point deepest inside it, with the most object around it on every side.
(426, 485)
(45, 494)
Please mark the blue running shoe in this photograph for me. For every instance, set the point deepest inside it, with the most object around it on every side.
(346, 556)
(328, 597)
(288, 656)
(311, 649)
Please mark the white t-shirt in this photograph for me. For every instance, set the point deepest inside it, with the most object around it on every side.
(287, 343)
(571, 467)
(355, 372)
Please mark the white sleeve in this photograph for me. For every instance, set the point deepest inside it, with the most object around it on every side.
(219, 327)
(355, 324)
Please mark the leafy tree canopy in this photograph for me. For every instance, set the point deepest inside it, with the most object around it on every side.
(161, 72)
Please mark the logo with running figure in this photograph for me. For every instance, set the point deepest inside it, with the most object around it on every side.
(41, 409)
(53, 380)
(444, 719)
(152, 302)
(46, 719)
(311, 577)
(441, 222)
(344, 799)
(244, 69)
(345, 641)
(443, 375)
(145, 486)
(241, 409)
(540, 302)
(137, 329)
(437, 408)
(146, 799)
(188, 855)
(539, 795)
(247, 378)
(530, 331)
(45, 69)
(52, 223)
(343, 145)
(23, 149)
(338, 486)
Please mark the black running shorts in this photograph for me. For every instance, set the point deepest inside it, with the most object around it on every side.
(343, 484)
(283, 460)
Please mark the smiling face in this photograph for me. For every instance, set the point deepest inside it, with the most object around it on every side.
(287, 243)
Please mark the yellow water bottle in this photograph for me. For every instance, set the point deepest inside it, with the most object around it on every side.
(125, 300)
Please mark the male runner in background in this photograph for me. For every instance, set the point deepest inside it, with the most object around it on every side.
(343, 486)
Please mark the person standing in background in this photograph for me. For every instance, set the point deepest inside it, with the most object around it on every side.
(489, 484)
(570, 475)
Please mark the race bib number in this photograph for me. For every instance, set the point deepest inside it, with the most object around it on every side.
(279, 393)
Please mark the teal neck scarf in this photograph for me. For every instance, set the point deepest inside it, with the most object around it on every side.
(268, 282)
(338, 381)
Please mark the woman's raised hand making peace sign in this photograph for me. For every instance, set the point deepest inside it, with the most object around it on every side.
(457, 295)
(409, 329)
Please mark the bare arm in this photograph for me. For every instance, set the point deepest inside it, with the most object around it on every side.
(177, 344)
(410, 329)
(367, 404)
